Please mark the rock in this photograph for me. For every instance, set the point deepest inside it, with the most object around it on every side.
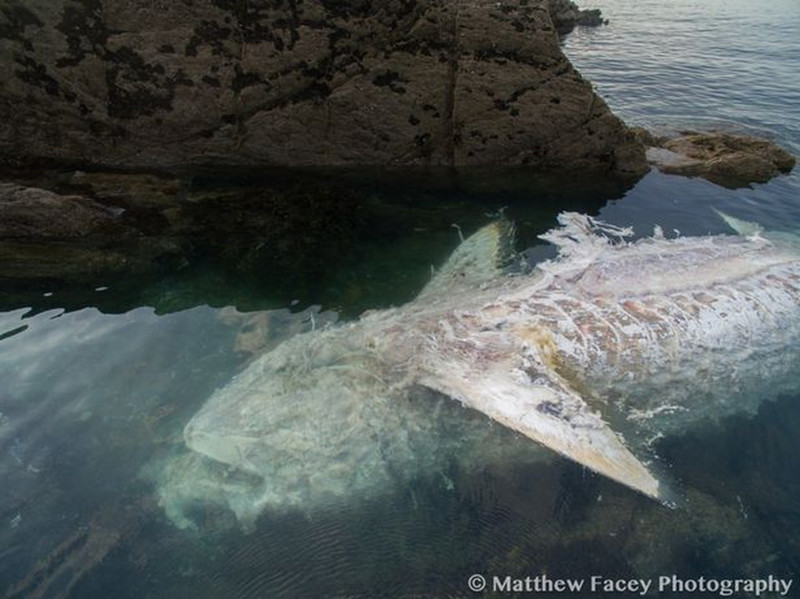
(147, 84)
(152, 204)
(591, 18)
(646, 138)
(123, 223)
(35, 262)
(48, 236)
(566, 16)
(728, 160)
(131, 191)
(30, 213)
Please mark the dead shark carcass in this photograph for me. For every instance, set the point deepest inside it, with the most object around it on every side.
(593, 354)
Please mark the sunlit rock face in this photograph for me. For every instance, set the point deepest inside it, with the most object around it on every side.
(164, 85)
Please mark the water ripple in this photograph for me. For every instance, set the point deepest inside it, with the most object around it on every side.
(716, 58)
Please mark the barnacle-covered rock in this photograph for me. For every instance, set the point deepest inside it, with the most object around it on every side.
(164, 85)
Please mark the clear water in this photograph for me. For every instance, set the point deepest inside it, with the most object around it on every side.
(96, 385)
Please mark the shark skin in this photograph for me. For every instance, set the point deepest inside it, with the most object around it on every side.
(593, 354)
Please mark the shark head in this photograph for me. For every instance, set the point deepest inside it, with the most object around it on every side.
(304, 399)
(324, 417)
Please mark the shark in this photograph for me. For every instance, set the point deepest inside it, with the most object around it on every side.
(594, 354)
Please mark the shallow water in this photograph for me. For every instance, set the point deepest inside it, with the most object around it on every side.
(98, 383)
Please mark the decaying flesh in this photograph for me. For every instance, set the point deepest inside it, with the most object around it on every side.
(592, 354)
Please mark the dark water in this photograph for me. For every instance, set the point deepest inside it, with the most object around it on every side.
(96, 383)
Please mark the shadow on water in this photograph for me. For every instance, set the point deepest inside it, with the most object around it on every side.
(348, 240)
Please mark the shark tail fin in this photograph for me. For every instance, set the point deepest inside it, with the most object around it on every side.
(477, 260)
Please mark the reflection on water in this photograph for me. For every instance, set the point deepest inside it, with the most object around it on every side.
(711, 64)
(96, 386)
(350, 241)
(85, 398)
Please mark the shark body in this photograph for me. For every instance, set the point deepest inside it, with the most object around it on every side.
(593, 354)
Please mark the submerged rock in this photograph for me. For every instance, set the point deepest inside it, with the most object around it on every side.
(111, 223)
(728, 160)
(49, 236)
(165, 85)
(31, 213)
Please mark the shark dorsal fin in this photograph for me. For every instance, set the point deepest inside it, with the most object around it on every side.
(477, 260)
(550, 413)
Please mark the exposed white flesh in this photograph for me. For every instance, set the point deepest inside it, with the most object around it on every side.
(652, 337)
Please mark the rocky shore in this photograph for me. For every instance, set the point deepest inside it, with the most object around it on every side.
(723, 158)
(170, 85)
(128, 100)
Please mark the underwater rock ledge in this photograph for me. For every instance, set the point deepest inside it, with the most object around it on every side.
(46, 236)
(99, 225)
(143, 85)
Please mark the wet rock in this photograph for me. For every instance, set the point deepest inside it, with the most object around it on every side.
(48, 236)
(131, 191)
(566, 15)
(646, 138)
(159, 85)
(728, 160)
(33, 262)
(591, 18)
(31, 213)
(122, 223)
(152, 204)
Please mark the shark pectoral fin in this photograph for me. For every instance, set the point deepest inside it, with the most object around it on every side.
(556, 417)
